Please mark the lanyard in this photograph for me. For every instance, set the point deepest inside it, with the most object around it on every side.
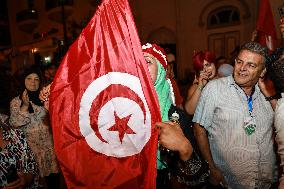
(249, 101)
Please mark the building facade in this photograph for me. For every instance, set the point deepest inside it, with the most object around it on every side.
(185, 25)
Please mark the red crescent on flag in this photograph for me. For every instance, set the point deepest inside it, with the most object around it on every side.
(121, 94)
(115, 90)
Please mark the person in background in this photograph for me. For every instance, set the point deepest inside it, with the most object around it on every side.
(49, 71)
(233, 55)
(276, 73)
(18, 168)
(204, 65)
(225, 70)
(178, 100)
(233, 125)
(275, 55)
(275, 70)
(184, 168)
(29, 115)
(220, 61)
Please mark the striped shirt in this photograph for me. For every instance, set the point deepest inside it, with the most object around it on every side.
(246, 161)
(279, 130)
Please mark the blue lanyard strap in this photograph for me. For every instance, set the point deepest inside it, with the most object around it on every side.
(249, 101)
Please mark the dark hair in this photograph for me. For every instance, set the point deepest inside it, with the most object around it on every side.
(274, 56)
(255, 48)
(33, 95)
(200, 56)
(32, 69)
(275, 71)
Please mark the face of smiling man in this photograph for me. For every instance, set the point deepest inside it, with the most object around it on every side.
(248, 68)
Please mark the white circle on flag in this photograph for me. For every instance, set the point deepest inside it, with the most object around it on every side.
(131, 144)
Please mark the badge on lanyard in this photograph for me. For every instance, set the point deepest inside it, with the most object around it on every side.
(249, 123)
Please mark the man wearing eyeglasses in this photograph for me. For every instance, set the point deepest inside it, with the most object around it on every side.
(233, 125)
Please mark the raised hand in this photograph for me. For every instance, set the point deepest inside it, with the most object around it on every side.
(254, 35)
(25, 101)
(44, 96)
(203, 78)
(25, 98)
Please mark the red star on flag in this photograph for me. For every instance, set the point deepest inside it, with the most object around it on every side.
(121, 126)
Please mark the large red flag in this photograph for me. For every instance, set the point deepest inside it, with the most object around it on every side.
(265, 26)
(103, 106)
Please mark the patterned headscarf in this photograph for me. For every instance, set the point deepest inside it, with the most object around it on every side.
(161, 84)
(157, 51)
(162, 87)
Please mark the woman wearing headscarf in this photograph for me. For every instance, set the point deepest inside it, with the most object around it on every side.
(176, 155)
(18, 168)
(29, 115)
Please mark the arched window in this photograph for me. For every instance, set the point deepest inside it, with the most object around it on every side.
(222, 17)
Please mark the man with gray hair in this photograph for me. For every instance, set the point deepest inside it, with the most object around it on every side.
(233, 125)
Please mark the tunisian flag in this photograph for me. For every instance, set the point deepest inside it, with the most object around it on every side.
(265, 26)
(103, 106)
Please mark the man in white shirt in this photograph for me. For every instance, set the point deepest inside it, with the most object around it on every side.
(233, 125)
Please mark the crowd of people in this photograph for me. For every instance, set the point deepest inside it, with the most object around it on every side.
(27, 155)
(224, 134)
